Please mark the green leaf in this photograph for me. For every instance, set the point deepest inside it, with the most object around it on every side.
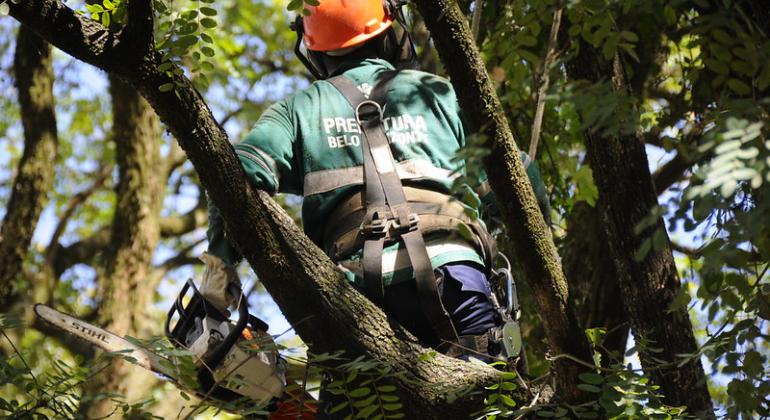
(365, 402)
(508, 400)
(659, 239)
(629, 36)
(670, 15)
(208, 11)
(738, 87)
(527, 40)
(294, 5)
(366, 412)
(763, 80)
(190, 14)
(610, 46)
(595, 335)
(528, 56)
(106, 19)
(591, 378)
(508, 386)
(722, 37)
(589, 388)
(716, 66)
(166, 87)
(392, 407)
(338, 407)
(360, 392)
(208, 51)
(208, 23)
(643, 250)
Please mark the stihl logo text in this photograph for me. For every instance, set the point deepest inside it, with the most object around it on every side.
(90, 332)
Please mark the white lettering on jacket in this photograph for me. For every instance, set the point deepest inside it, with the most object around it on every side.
(402, 129)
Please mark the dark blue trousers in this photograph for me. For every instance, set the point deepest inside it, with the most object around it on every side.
(464, 291)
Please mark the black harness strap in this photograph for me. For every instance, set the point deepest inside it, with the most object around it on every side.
(387, 211)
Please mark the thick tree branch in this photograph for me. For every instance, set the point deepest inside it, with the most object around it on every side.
(179, 225)
(670, 173)
(33, 71)
(81, 37)
(87, 249)
(532, 239)
(139, 29)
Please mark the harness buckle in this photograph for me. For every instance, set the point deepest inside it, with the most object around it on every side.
(377, 227)
(412, 224)
(389, 226)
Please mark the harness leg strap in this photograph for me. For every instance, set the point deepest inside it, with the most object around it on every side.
(427, 290)
(372, 265)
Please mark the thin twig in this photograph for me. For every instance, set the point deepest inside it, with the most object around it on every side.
(304, 391)
(531, 404)
(478, 5)
(74, 203)
(550, 56)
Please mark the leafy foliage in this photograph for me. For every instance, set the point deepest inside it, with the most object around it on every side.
(362, 388)
(186, 36)
(698, 75)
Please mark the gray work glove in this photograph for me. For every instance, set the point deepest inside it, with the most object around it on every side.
(216, 278)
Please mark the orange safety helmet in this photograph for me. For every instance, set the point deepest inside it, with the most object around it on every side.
(335, 24)
(339, 24)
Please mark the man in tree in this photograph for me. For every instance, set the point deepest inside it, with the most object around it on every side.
(372, 147)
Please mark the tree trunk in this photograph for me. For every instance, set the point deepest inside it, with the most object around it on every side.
(626, 198)
(593, 283)
(125, 285)
(531, 237)
(34, 80)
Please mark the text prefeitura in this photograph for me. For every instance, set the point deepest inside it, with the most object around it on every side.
(402, 129)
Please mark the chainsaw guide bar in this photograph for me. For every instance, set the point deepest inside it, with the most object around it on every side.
(105, 340)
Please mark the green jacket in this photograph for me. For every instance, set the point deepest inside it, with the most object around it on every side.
(310, 144)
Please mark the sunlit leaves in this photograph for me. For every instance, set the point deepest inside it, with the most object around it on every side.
(185, 36)
(736, 160)
(107, 11)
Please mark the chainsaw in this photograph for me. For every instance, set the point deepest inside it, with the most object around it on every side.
(234, 360)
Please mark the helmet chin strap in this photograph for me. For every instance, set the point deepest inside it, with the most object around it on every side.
(397, 56)
(314, 69)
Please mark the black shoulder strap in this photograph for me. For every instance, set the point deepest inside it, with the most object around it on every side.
(387, 210)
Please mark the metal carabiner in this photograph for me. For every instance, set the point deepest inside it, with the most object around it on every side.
(511, 297)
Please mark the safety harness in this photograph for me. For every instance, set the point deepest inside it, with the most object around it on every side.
(386, 211)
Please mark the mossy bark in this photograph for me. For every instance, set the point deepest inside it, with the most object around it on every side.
(126, 282)
(649, 285)
(531, 238)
